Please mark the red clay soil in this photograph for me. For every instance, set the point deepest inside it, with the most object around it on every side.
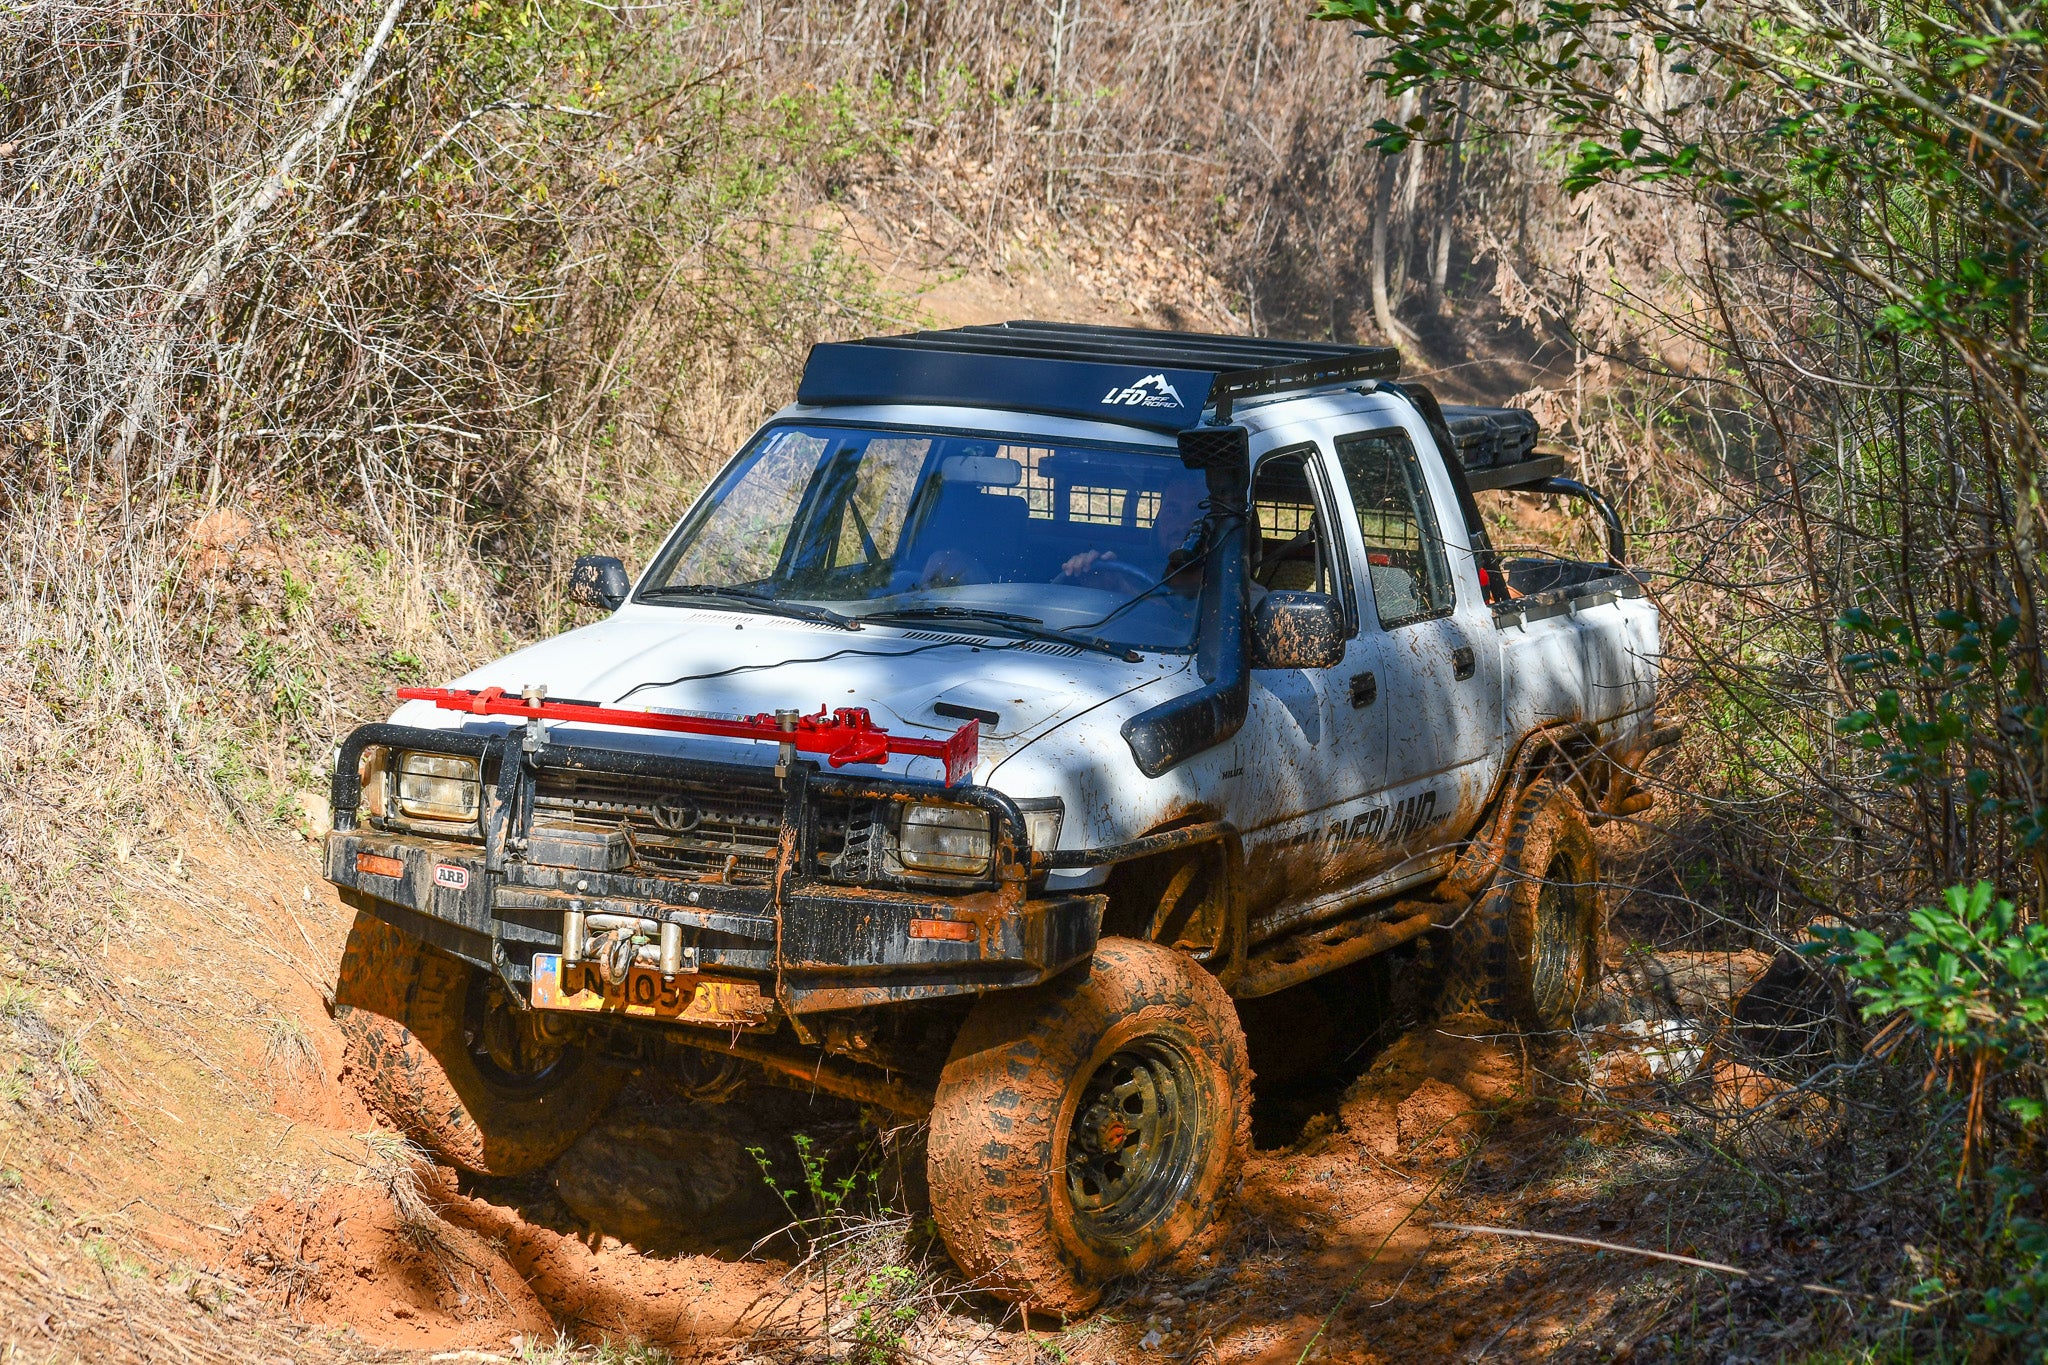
(1327, 1230)
(1333, 1256)
(221, 1148)
(476, 1275)
(1324, 1239)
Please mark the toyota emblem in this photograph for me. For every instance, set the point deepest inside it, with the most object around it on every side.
(676, 815)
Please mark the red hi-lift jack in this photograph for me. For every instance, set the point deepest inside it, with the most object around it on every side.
(842, 736)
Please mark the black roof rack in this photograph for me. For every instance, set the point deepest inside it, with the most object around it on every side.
(1133, 375)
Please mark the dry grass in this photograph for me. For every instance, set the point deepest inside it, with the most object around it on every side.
(70, 1300)
(566, 1350)
(288, 1052)
(165, 666)
(402, 1168)
(870, 1288)
(267, 455)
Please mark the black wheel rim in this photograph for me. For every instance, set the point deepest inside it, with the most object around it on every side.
(1136, 1139)
(1554, 975)
(517, 1051)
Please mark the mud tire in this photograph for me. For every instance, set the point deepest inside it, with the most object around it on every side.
(406, 1013)
(1004, 1131)
(1529, 949)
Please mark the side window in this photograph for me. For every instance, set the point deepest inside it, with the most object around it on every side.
(1411, 578)
(1291, 548)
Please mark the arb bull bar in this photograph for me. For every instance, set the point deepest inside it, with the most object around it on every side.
(800, 915)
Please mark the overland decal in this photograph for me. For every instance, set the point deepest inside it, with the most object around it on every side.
(1382, 824)
(1150, 392)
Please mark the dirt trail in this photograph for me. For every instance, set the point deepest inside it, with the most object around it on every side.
(470, 1273)
(212, 1155)
(1325, 1229)
(212, 1130)
(1335, 1257)
(1328, 1225)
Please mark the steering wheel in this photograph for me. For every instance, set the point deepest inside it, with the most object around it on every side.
(1134, 578)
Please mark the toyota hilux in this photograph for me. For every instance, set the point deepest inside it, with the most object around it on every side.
(1013, 704)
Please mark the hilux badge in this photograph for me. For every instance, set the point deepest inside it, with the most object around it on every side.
(1150, 392)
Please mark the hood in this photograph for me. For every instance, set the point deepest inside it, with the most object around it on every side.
(737, 663)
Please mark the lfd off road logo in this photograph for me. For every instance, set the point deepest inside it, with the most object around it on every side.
(1150, 392)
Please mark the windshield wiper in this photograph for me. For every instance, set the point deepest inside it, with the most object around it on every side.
(756, 601)
(1029, 626)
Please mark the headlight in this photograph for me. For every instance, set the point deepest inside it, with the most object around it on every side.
(370, 775)
(438, 787)
(1043, 817)
(945, 839)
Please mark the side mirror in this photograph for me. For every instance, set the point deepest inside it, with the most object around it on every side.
(599, 581)
(1297, 630)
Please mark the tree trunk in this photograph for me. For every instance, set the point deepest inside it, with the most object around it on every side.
(1440, 269)
(1382, 208)
(1406, 230)
(1383, 237)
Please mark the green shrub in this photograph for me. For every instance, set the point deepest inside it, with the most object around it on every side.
(1972, 980)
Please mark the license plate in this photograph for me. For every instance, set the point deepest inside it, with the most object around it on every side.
(688, 998)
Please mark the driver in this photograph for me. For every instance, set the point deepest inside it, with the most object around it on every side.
(1180, 507)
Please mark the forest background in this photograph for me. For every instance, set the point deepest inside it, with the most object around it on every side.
(332, 334)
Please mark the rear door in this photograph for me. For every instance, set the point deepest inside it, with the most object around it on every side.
(1430, 638)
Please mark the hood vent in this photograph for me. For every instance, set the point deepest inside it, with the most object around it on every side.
(1030, 646)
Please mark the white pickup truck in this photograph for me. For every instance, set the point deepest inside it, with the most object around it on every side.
(1017, 699)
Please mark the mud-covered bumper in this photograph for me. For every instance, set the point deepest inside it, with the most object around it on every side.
(817, 944)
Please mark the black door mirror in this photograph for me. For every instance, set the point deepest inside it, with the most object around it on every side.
(599, 581)
(1297, 630)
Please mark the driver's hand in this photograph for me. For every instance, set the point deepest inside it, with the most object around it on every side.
(1083, 562)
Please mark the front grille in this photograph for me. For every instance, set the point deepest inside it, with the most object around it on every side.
(676, 828)
(861, 849)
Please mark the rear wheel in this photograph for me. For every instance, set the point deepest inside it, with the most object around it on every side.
(440, 1048)
(1529, 948)
(1091, 1127)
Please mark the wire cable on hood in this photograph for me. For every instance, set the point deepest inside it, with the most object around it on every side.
(821, 659)
(1197, 554)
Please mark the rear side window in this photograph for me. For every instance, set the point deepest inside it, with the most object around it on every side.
(1404, 555)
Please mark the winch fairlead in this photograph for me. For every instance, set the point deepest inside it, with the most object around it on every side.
(841, 736)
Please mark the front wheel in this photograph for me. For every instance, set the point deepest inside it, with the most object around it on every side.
(1091, 1127)
(438, 1047)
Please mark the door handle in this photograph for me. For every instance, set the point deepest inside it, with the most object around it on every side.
(1464, 663)
(1364, 689)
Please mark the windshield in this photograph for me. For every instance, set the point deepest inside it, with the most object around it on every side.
(922, 525)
